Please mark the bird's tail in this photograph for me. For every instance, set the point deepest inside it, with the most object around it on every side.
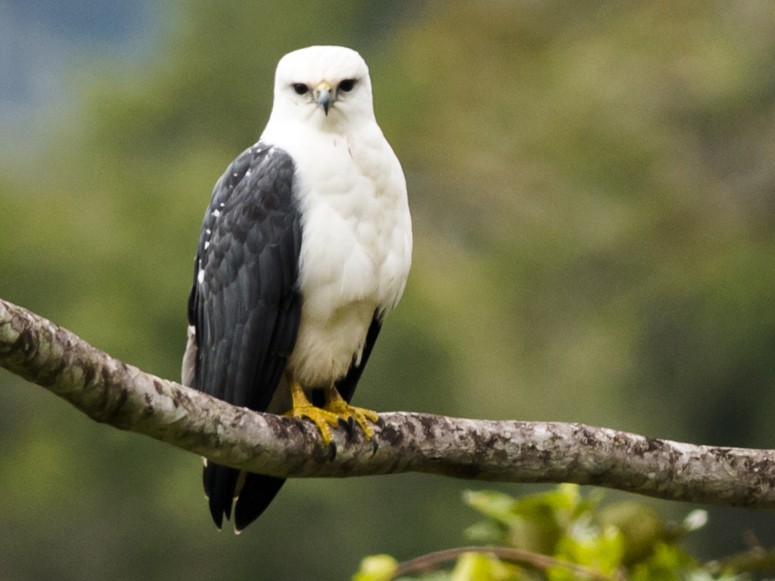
(254, 496)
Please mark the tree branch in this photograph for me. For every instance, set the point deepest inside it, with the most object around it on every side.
(123, 396)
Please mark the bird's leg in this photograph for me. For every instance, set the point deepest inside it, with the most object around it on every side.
(303, 408)
(336, 405)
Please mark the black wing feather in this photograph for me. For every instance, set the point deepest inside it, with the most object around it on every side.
(346, 386)
(245, 305)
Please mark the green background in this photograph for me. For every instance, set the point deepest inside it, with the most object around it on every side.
(593, 194)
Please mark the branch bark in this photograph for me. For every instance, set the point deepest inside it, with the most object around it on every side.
(123, 396)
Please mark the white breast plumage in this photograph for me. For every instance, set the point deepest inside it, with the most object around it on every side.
(356, 247)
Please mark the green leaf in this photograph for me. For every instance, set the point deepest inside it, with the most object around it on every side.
(642, 528)
(597, 550)
(376, 568)
(483, 567)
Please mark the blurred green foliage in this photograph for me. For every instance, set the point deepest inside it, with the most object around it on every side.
(561, 535)
(593, 192)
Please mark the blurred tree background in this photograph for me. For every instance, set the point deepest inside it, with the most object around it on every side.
(593, 193)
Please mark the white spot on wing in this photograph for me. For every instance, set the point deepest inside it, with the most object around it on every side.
(200, 276)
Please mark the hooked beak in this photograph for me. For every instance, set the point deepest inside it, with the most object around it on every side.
(323, 94)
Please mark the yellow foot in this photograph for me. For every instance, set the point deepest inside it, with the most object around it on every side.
(336, 411)
(350, 414)
(322, 419)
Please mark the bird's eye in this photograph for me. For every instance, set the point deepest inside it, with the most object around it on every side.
(300, 88)
(347, 85)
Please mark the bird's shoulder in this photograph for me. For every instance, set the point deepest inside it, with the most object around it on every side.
(252, 224)
(258, 175)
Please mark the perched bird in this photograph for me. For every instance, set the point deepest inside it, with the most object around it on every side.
(305, 247)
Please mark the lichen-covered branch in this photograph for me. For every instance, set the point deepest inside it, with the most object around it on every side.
(123, 396)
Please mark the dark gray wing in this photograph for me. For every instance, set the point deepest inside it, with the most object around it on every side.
(244, 304)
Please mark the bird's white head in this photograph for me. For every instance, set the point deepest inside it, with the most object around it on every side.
(326, 86)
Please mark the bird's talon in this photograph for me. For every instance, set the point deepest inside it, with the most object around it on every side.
(353, 415)
(318, 416)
